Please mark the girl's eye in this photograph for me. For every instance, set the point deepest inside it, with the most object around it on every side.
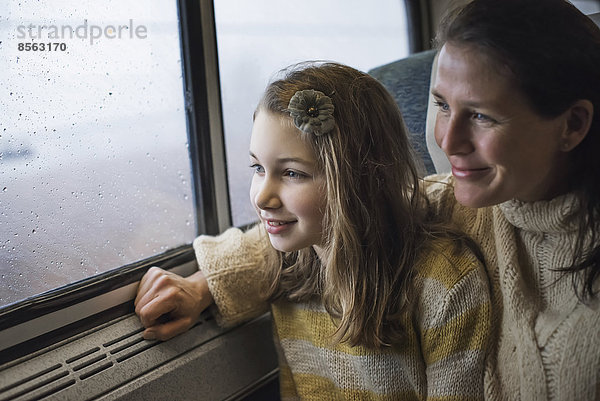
(294, 174)
(258, 169)
(442, 106)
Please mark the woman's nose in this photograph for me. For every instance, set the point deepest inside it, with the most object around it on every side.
(453, 136)
(267, 196)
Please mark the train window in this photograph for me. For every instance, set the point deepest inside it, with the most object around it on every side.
(94, 162)
(111, 161)
(256, 39)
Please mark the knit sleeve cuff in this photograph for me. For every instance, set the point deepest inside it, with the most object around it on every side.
(234, 264)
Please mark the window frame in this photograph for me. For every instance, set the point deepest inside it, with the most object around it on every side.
(211, 201)
(418, 18)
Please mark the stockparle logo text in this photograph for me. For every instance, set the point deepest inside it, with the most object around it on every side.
(82, 31)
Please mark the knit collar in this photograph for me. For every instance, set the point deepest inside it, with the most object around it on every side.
(555, 215)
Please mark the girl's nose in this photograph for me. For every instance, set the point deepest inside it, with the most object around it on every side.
(267, 196)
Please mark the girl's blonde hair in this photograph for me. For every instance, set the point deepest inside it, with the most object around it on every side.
(376, 221)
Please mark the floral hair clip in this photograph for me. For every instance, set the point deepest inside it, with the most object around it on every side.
(312, 112)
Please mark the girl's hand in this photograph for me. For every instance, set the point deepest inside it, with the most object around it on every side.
(168, 304)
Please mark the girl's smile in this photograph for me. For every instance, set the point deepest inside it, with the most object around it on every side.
(277, 226)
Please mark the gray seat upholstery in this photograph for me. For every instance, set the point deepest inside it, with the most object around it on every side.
(408, 81)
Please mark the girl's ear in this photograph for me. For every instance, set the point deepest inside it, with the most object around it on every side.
(579, 119)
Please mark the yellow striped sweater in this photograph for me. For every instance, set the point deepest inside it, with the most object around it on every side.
(442, 357)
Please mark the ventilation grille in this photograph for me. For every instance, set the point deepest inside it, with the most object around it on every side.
(112, 349)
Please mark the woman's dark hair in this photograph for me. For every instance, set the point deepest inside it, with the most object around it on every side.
(552, 51)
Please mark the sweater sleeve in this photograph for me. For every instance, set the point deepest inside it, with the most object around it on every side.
(456, 331)
(234, 265)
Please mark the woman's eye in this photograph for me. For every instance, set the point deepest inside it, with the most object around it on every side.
(257, 168)
(442, 106)
(482, 117)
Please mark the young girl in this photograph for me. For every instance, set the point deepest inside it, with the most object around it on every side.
(371, 298)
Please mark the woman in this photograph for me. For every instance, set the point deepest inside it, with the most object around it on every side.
(518, 87)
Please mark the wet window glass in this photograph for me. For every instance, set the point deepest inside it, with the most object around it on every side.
(257, 38)
(94, 164)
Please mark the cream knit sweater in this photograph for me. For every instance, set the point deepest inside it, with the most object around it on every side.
(441, 358)
(548, 343)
